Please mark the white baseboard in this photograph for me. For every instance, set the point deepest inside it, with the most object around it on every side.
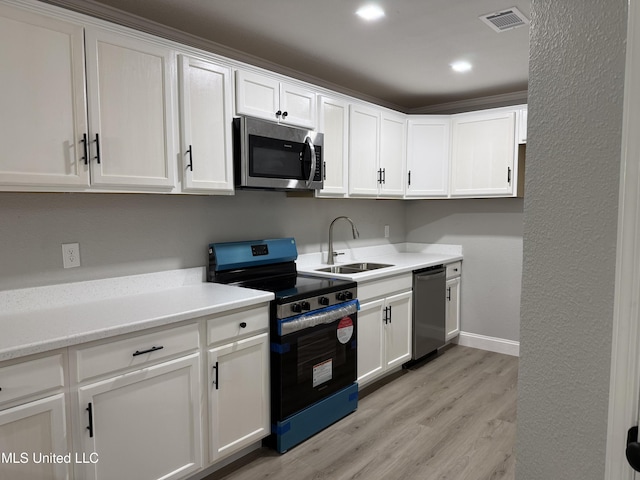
(492, 344)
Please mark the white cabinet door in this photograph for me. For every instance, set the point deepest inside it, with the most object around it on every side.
(29, 431)
(428, 156)
(364, 132)
(205, 126)
(43, 117)
(370, 341)
(130, 110)
(298, 106)
(239, 403)
(145, 424)
(393, 141)
(452, 316)
(398, 329)
(334, 118)
(483, 153)
(265, 97)
(257, 96)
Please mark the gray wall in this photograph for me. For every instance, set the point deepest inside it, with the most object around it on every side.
(122, 234)
(576, 75)
(490, 232)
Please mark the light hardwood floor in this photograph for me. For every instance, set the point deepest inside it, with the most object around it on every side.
(452, 418)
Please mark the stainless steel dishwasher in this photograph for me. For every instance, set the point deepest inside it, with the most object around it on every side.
(429, 292)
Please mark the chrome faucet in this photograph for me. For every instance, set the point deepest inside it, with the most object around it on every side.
(354, 230)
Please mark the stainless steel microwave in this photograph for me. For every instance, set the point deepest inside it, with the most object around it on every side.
(272, 156)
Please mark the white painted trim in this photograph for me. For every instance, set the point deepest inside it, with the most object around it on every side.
(492, 344)
(625, 355)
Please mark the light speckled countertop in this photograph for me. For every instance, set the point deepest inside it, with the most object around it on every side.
(404, 258)
(39, 319)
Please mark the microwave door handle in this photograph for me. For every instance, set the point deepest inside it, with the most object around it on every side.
(312, 151)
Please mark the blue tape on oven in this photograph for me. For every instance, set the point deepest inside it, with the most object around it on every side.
(353, 397)
(280, 428)
(316, 312)
(280, 348)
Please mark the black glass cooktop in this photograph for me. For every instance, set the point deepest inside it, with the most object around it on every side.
(297, 287)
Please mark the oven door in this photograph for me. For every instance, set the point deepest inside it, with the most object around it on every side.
(312, 358)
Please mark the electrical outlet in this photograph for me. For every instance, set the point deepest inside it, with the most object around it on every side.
(386, 231)
(70, 255)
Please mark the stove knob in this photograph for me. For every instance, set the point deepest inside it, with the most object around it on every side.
(305, 306)
(323, 301)
(348, 295)
(296, 308)
(341, 296)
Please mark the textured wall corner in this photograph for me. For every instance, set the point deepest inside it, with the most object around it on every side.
(576, 85)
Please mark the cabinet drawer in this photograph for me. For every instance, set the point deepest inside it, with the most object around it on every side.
(384, 287)
(454, 269)
(135, 351)
(31, 377)
(237, 324)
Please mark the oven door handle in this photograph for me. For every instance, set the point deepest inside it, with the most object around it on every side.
(312, 151)
(318, 317)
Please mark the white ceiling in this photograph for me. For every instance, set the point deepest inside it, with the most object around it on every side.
(403, 59)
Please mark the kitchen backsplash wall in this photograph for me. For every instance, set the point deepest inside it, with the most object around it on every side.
(490, 232)
(128, 234)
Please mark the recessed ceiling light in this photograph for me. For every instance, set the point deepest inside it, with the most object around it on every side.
(461, 66)
(370, 12)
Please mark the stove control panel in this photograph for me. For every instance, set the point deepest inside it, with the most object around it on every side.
(310, 304)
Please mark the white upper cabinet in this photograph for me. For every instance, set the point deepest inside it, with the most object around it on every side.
(393, 141)
(43, 117)
(522, 124)
(364, 132)
(483, 153)
(377, 150)
(125, 141)
(334, 124)
(265, 97)
(428, 156)
(130, 111)
(205, 126)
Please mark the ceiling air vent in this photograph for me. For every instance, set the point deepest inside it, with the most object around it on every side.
(505, 19)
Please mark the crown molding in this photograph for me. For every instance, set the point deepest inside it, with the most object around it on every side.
(480, 103)
(136, 22)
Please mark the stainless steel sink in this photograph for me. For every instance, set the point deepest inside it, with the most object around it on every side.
(351, 268)
(366, 266)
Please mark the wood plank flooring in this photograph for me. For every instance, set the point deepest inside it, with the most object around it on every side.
(453, 418)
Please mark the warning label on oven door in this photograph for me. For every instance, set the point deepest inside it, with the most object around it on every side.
(345, 330)
(322, 372)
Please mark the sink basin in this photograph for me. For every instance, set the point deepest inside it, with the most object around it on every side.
(353, 267)
(366, 266)
(339, 269)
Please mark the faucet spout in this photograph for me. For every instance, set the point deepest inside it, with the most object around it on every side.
(354, 231)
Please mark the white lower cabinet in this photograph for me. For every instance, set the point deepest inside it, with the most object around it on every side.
(238, 395)
(30, 434)
(384, 327)
(33, 420)
(238, 362)
(143, 424)
(452, 304)
(452, 309)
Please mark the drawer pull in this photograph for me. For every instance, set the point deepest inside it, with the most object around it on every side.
(90, 427)
(243, 325)
(152, 349)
